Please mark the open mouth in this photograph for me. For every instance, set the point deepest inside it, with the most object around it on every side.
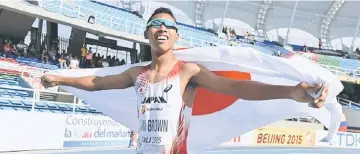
(162, 38)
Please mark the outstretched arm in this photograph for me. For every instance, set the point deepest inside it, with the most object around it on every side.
(252, 90)
(92, 83)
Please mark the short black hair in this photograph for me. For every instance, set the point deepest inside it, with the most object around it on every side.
(162, 10)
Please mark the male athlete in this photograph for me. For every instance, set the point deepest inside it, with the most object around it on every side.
(163, 89)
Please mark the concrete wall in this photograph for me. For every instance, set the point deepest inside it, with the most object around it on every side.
(14, 25)
(64, 98)
(52, 33)
(145, 54)
(25, 84)
(352, 117)
(76, 41)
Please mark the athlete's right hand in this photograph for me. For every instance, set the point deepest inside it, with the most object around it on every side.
(49, 80)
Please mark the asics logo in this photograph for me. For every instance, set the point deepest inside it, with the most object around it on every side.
(169, 87)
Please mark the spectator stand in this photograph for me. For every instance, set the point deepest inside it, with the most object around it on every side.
(17, 92)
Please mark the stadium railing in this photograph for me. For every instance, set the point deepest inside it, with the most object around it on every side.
(36, 97)
(342, 71)
(348, 103)
(33, 72)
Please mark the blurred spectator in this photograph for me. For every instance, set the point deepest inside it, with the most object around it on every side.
(45, 56)
(14, 51)
(43, 46)
(122, 62)
(7, 48)
(94, 60)
(319, 44)
(233, 34)
(111, 63)
(97, 62)
(105, 63)
(62, 62)
(100, 61)
(246, 36)
(31, 50)
(116, 62)
(74, 63)
(52, 55)
(58, 55)
(228, 32)
(88, 59)
(22, 47)
(68, 58)
(82, 55)
(55, 44)
(224, 30)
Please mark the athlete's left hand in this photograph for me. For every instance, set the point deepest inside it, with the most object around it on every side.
(302, 91)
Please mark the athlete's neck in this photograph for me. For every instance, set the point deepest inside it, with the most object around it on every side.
(162, 60)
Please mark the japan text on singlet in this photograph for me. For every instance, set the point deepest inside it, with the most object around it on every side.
(162, 124)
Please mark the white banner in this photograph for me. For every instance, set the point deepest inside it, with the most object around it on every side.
(90, 131)
(35, 130)
(342, 139)
(29, 131)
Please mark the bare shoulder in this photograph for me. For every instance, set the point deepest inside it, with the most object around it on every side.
(190, 69)
(134, 71)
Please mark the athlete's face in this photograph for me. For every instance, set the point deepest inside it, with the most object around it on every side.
(162, 33)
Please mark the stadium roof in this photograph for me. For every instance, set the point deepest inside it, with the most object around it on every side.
(321, 19)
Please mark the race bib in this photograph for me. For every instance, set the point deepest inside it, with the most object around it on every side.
(156, 131)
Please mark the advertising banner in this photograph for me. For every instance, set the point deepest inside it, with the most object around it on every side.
(30, 130)
(342, 139)
(94, 131)
(280, 137)
(241, 140)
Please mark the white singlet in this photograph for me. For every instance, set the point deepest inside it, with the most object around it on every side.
(162, 124)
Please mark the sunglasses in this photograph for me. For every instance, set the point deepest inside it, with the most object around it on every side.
(156, 23)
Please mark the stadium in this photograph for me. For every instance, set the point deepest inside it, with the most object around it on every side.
(37, 37)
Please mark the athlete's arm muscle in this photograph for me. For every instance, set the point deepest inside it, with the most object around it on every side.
(94, 83)
(248, 90)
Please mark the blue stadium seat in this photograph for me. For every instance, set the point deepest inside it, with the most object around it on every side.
(27, 103)
(8, 108)
(4, 102)
(57, 111)
(16, 103)
(6, 96)
(2, 91)
(52, 106)
(41, 105)
(3, 81)
(68, 112)
(23, 93)
(81, 108)
(91, 109)
(63, 107)
(12, 92)
(10, 82)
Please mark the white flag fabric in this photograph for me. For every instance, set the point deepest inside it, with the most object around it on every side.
(215, 118)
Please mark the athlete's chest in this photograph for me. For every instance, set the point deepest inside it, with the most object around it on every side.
(156, 77)
(155, 89)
